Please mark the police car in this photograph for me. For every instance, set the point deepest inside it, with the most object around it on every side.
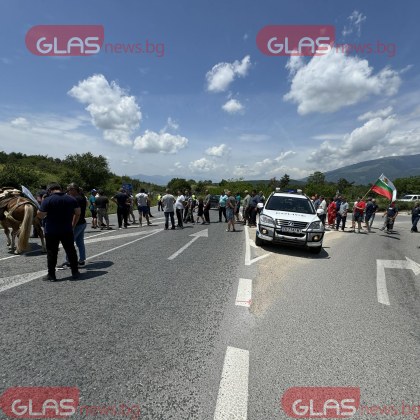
(290, 219)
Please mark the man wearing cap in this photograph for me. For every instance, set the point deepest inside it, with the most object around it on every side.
(61, 213)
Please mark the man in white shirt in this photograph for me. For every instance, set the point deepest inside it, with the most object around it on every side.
(142, 206)
(167, 202)
(179, 206)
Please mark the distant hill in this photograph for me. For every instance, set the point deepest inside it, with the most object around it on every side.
(363, 173)
(154, 179)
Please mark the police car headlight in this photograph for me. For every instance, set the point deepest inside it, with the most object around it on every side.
(316, 226)
(266, 220)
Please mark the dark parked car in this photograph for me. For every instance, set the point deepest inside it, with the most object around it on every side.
(214, 201)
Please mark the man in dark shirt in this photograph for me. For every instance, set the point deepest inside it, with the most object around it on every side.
(79, 230)
(123, 205)
(62, 213)
(102, 203)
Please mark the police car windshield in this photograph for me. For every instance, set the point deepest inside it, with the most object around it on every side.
(290, 204)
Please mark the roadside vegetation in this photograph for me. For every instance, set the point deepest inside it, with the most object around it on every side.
(89, 171)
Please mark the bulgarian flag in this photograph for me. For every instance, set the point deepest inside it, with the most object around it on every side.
(383, 186)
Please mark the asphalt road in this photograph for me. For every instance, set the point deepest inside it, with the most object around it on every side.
(177, 331)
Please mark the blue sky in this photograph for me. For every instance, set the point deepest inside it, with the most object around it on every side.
(212, 105)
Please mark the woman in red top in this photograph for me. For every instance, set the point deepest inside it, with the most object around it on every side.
(332, 213)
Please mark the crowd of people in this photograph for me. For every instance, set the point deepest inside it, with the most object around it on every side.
(334, 212)
(64, 215)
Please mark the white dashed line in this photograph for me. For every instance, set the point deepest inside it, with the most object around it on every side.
(244, 295)
(232, 400)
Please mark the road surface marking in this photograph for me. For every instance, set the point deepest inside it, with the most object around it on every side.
(244, 294)
(201, 234)
(232, 400)
(382, 291)
(13, 281)
(248, 260)
(124, 235)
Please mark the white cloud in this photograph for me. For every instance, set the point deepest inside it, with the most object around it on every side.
(20, 122)
(254, 137)
(223, 74)
(202, 165)
(382, 113)
(232, 106)
(330, 136)
(356, 19)
(171, 124)
(371, 139)
(111, 109)
(335, 80)
(295, 63)
(285, 155)
(218, 151)
(178, 165)
(152, 142)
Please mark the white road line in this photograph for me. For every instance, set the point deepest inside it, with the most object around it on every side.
(9, 282)
(13, 281)
(248, 260)
(232, 400)
(124, 235)
(98, 234)
(381, 289)
(244, 294)
(201, 234)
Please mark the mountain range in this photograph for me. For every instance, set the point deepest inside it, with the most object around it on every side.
(361, 173)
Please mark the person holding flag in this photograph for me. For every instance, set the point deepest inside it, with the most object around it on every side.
(383, 186)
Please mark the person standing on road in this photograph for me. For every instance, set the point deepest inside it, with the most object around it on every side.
(131, 216)
(415, 216)
(167, 203)
(102, 203)
(230, 211)
(322, 207)
(142, 206)
(374, 209)
(390, 215)
(342, 214)
(179, 207)
(238, 205)
(332, 213)
(369, 211)
(358, 212)
(121, 199)
(79, 230)
(245, 208)
(92, 208)
(222, 206)
(61, 213)
(206, 210)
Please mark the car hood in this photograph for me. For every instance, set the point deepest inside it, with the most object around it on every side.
(285, 215)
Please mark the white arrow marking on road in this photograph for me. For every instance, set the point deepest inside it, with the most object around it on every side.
(124, 235)
(202, 234)
(248, 243)
(382, 291)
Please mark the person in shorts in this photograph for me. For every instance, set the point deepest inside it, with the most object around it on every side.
(92, 208)
(143, 206)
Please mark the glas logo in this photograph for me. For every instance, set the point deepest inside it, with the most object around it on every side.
(298, 40)
(65, 40)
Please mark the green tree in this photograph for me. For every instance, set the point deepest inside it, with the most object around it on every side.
(13, 175)
(93, 170)
(284, 181)
(180, 184)
(343, 185)
(317, 178)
